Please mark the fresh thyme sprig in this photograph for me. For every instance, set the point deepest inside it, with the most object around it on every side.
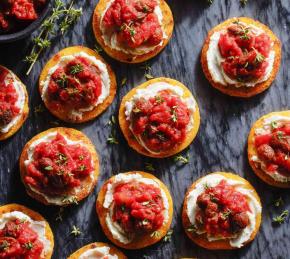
(182, 159)
(149, 167)
(43, 40)
(281, 218)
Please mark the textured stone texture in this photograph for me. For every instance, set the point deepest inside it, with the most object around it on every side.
(220, 144)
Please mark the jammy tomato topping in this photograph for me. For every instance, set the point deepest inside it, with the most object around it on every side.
(16, 14)
(8, 99)
(19, 241)
(138, 207)
(58, 166)
(245, 52)
(274, 149)
(76, 85)
(161, 121)
(134, 21)
(223, 210)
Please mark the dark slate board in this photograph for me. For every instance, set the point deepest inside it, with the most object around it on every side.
(220, 144)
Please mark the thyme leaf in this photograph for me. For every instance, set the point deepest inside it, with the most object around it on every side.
(168, 236)
(75, 231)
(281, 218)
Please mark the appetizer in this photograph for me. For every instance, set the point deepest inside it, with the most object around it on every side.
(76, 85)
(98, 251)
(135, 209)
(24, 234)
(221, 211)
(13, 103)
(159, 118)
(241, 57)
(59, 166)
(132, 31)
(269, 148)
(15, 15)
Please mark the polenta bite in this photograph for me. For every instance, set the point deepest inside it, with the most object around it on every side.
(13, 103)
(132, 31)
(24, 234)
(59, 166)
(159, 118)
(98, 250)
(269, 148)
(135, 209)
(221, 211)
(76, 84)
(241, 57)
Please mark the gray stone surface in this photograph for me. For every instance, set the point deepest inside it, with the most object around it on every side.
(220, 144)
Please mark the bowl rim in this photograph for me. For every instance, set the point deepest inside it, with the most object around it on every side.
(27, 30)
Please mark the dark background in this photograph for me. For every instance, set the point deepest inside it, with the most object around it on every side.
(220, 143)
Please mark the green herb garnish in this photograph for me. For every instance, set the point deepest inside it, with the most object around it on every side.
(281, 218)
(75, 231)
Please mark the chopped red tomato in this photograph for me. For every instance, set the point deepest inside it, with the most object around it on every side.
(134, 21)
(274, 149)
(245, 53)
(8, 99)
(223, 210)
(58, 166)
(23, 10)
(161, 121)
(138, 207)
(19, 240)
(76, 85)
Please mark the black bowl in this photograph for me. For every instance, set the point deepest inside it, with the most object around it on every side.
(27, 31)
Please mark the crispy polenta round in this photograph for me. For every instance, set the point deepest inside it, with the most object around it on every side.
(125, 124)
(24, 112)
(253, 152)
(201, 239)
(113, 250)
(139, 241)
(63, 114)
(34, 216)
(242, 91)
(167, 24)
(87, 183)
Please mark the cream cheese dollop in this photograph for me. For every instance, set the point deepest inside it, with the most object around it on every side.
(105, 78)
(151, 91)
(110, 39)
(115, 229)
(38, 226)
(56, 200)
(214, 60)
(267, 129)
(213, 180)
(18, 86)
(102, 252)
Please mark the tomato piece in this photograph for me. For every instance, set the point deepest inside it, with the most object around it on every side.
(262, 139)
(138, 207)
(161, 121)
(23, 10)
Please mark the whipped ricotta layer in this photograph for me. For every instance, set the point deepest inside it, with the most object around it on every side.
(214, 60)
(116, 230)
(38, 226)
(19, 103)
(151, 91)
(267, 129)
(102, 252)
(110, 38)
(213, 180)
(105, 78)
(56, 200)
